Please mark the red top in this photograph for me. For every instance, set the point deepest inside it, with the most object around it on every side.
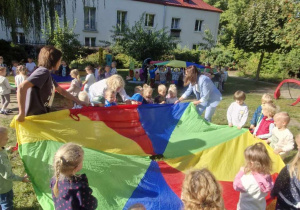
(193, 4)
(264, 126)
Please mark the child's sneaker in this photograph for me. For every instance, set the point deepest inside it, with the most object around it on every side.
(9, 111)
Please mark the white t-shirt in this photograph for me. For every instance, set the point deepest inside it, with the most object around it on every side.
(282, 139)
(90, 78)
(19, 79)
(30, 67)
(237, 114)
(14, 70)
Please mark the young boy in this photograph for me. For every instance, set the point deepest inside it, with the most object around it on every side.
(237, 112)
(137, 99)
(110, 98)
(258, 115)
(161, 98)
(264, 128)
(84, 97)
(113, 68)
(107, 71)
(31, 66)
(282, 139)
(14, 68)
(89, 79)
(6, 175)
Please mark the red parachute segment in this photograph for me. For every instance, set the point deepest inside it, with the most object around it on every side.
(277, 91)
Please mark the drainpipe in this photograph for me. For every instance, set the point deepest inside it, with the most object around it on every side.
(164, 18)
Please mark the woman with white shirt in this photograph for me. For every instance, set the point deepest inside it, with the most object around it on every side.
(115, 83)
(208, 96)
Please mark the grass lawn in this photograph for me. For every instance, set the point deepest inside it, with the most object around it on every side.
(24, 195)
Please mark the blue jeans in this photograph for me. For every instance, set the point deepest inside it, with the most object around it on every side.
(6, 201)
(209, 107)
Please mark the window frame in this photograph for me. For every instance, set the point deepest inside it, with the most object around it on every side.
(90, 42)
(201, 23)
(90, 23)
(147, 20)
(121, 24)
(173, 21)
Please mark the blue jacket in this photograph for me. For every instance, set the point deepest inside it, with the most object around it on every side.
(257, 116)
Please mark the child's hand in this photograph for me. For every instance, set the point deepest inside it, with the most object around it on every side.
(277, 151)
(252, 126)
(176, 102)
(242, 168)
(239, 127)
(25, 179)
(230, 125)
(20, 118)
(196, 103)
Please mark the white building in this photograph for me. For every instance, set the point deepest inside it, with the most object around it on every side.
(185, 19)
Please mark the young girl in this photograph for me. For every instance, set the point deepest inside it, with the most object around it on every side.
(162, 75)
(71, 191)
(161, 98)
(254, 180)
(172, 94)
(76, 84)
(287, 184)
(201, 191)
(5, 90)
(147, 94)
(89, 79)
(22, 75)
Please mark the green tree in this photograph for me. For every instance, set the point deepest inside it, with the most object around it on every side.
(141, 42)
(63, 38)
(256, 29)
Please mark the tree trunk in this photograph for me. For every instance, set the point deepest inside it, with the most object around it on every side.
(259, 65)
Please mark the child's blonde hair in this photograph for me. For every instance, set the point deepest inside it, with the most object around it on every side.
(2, 68)
(173, 89)
(138, 89)
(283, 116)
(257, 159)
(147, 89)
(115, 81)
(22, 69)
(201, 190)
(83, 96)
(161, 87)
(76, 73)
(270, 108)
(239, 95)
(266, 98)
(294, 168)
(66, 159)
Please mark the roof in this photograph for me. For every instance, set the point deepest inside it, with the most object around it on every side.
(192, 4)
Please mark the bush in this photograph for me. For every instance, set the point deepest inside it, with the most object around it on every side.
(187, 55)
(11, 51)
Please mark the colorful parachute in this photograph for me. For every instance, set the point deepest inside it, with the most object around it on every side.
(118, 143)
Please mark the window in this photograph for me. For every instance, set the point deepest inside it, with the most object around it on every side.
(198, 25)
(90, 18)
(149, 20)
(90, 41)
(57, 8)
(195, 47)
(20, 38)
(175, 23)
(121, 20)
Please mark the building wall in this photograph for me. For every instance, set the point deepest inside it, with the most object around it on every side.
(106, 17)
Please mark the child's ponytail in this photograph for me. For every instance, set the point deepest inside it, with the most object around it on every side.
(58, 164)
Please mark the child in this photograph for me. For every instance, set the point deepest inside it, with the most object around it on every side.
(14, 68)
(224, 76)
(161, 98)
(31, 66)
(258, 115)
(282, 138)
(110, 98)
(63, 70)
(172, 94)
(22, 75)
(254, 180)
(82, 96)
(162, 75)
(237, 112)
(71, 191)
(101, 73)
(5, 90)
(138, 89)
(113, 68)
(137, 99)
(107, 71)
(6, 175)
(264, 128)
(89, 79)
(287, 184)
(176, 72)
(147, 94)
(76, 84)
(152, 71)
(201, 190)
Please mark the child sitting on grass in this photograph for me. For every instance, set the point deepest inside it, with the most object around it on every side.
(287, 184)
(6, 175)
(237, 112)
(71, 190)
(172, 94)
(161, 98)
(258, 115)
(110, 98)
(147, 94)
(264, 128)
(282, 139)
(254, 180)
(201, 191)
